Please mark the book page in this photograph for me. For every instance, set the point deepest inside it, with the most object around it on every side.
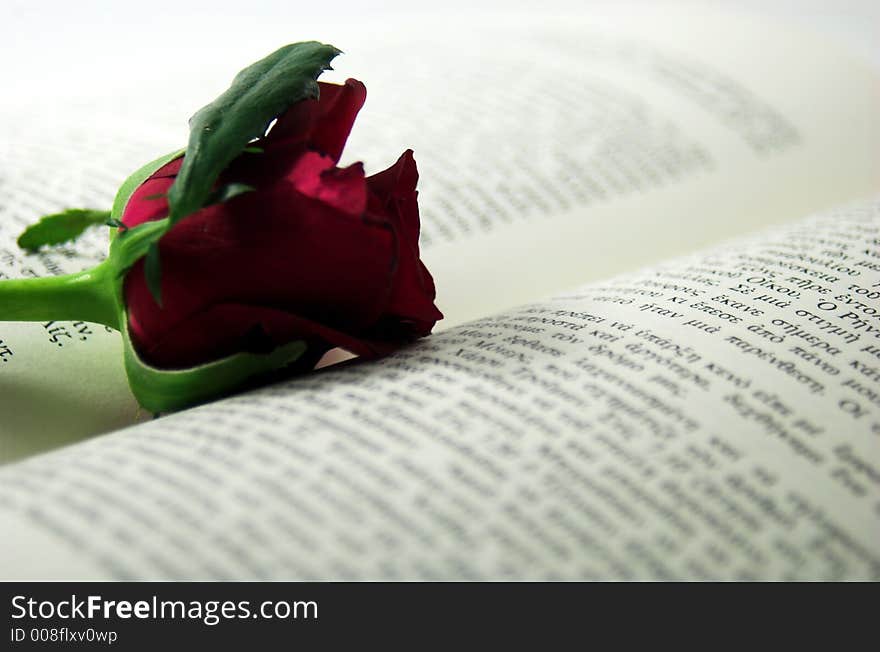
(59, 381)
(569, 150)
(714, 417)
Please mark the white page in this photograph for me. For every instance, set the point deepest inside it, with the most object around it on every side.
(595, 95)
(716, 417)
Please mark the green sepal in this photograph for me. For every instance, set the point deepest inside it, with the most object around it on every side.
(136, 241)
(167, 390)
(59, 228)
(131, 245)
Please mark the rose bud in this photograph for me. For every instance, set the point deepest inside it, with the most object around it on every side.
(283, 256)
(315, 252)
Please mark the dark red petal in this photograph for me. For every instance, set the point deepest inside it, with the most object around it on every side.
(294, 125)
(399, 183)
(316, 176)
(413, 292)
(398, 180)
(322, 125)
(274, 248)
(148, 202)
(226, 328)
(338, 107)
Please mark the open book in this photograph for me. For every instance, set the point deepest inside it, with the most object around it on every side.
(607, 397)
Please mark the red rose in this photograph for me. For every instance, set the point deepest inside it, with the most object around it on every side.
(316, 253)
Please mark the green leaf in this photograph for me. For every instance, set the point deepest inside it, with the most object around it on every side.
(221, 130)
(60, 227)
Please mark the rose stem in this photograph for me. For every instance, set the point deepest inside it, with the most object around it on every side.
(84, 296)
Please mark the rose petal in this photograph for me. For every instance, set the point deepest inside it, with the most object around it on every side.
(413, 292)
(338, 107)
(399, 183)
(294, 125)
(344, 189)
(322, 125)
(199, 339)
(274, 248)
(148, 201)
(170, 169)
(398, 180)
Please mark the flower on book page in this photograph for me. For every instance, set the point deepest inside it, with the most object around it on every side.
(313, 252)
(250, 251)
